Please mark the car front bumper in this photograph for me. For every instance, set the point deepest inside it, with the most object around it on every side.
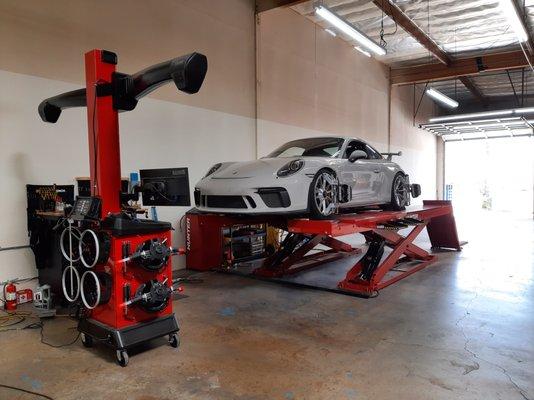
(241, 196)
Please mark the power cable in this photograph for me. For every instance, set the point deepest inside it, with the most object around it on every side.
(55, 346)
(383, 43)
(154, 187)
(95, 157)
(44, 396)
(95, 144)
(11, 319)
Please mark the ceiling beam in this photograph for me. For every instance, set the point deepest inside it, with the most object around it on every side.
(475, 91)
(406, 23)
(426, 41)
(458, 68)
(266, 5)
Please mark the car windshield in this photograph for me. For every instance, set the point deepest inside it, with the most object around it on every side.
(313, 147)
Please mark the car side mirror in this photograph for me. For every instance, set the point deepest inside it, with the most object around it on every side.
(357, 155)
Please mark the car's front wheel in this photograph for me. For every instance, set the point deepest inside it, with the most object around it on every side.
(400, 192)
(323, 195)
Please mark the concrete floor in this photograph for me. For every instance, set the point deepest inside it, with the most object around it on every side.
(461, 329)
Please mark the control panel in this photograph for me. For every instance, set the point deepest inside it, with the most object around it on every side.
(86, 208)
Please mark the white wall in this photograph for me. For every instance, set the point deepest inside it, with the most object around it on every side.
(419, 147)
(47, 39)
(273, 134)
(156, 134)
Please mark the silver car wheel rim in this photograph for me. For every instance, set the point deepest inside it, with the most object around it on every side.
(400, 192)
(325, 193)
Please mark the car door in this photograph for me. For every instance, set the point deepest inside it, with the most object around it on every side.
(364, 176)
(380, 186)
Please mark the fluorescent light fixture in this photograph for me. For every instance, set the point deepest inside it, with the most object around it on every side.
(349, 30)
(362, 51)
(525, 110)
(473, 115)
(438, 96)
(498, 113)
(331, 32)
(511, 12)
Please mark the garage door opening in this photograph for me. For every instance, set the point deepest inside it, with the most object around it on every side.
(486, 178)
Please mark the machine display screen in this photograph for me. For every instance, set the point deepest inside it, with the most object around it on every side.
(86, 208)
(165, 187)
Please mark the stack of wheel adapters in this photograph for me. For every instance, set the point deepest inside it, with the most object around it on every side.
(84, 249)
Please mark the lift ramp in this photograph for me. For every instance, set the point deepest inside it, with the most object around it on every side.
(315, 254)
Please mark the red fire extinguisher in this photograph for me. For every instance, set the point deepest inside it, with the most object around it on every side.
(10, 296)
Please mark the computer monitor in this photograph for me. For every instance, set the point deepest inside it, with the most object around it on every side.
(84, 186)
(165, 187)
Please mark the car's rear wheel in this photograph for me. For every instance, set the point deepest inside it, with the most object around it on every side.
(322, 199)
(400, 192)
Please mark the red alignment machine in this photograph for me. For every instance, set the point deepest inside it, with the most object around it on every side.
(297, 252)
(119, 266)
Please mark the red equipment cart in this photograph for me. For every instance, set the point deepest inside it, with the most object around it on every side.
(119, 266)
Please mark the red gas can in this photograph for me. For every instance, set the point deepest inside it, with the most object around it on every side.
(24, 296)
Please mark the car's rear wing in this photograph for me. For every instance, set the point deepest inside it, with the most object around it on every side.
(390, 155)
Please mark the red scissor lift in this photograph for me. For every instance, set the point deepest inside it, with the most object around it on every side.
(298, 251)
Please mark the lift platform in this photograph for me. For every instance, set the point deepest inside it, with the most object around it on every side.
(391, 254)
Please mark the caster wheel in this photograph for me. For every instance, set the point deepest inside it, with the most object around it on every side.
(174, 340)
(87, 341)
(122, 358)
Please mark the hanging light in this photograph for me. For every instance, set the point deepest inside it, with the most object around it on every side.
(497, 113)
(366, 53)
(445, 100)
(331, 32)
(349, 30)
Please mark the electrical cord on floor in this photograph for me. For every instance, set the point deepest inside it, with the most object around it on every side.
(55, 346)
(44, 396)
(15, 318)
(12, 318)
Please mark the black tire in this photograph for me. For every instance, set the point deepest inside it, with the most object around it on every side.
(329, 203)
(122, 358)
(174, 340)
(87, 340)
(400, 193)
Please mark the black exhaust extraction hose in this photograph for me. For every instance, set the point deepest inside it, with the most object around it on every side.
(187, 72)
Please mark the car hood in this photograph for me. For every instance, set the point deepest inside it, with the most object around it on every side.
(251, 169)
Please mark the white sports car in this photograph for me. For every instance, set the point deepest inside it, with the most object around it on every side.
(318, 175)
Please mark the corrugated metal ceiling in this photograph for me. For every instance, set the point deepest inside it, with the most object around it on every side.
(462, 28)
(459, 27)
(491, 84)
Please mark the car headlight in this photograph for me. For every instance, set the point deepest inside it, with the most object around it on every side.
(290, 168)
(213, 169)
